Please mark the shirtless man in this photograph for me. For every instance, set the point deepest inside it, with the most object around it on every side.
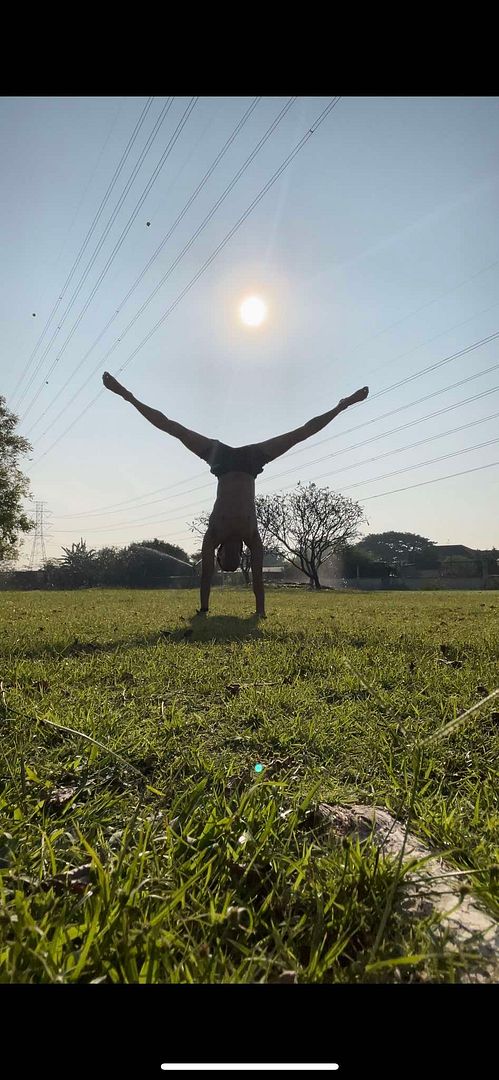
(233, 518)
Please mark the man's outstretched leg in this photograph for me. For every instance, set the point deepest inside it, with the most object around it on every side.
(274, 448)
(198, 444)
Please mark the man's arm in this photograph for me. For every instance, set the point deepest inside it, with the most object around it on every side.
(256, 547)
(207, 564)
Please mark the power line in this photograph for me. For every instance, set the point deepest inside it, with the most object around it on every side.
(148, 520)
(344, 450)
(410, 378)
(402, 427)
(104, 234)
(411, 446)
(164, 196)
(432, 368)
(393, 360)
(122, 236)
(96, 250)
(125, 502)
(437, 480)
(208, 261)
(416, 311)
(414, 444)
(438, 364)
(400, 408)
(339, 434)
(201, 487)
(144, 271)
(441, 333)
(111, 185)
(393, 491)
(320, 119)
(93, 257)
(93, 174)
(381, 494)
(419, 464)
(398, 450)
(427, 341)
(173, 265)
(304, 449)
(153, 257)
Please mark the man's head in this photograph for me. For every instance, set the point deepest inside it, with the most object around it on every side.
(229, 554)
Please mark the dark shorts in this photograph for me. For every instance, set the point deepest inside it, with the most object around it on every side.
(247, 459)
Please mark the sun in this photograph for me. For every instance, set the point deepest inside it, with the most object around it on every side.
(253, 311)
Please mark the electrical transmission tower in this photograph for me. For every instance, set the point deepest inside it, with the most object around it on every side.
(38, 552)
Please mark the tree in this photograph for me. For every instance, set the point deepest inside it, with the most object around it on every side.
(397, 548)
(148, 568)
(109, 567)
(309, 525)
(356, 562)
(200, 524)
(137, 566)
(80, 562)
(13, 485)
(57, 576)
(489, 559)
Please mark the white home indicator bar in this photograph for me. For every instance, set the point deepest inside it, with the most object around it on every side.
(244, 1067)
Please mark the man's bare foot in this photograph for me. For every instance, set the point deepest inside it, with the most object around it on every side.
(112, 384)
(360, 395)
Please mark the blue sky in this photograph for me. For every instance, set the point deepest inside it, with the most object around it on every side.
(376, 252)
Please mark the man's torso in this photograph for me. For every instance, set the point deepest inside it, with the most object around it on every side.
(234, 513)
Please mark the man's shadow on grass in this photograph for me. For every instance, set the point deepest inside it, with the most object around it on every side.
(198, 629)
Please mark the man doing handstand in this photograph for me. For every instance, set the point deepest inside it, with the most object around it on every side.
(233, 518)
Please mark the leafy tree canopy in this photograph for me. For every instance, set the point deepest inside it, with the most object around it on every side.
(14, 486)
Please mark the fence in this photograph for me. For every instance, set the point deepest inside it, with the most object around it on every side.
(434, 584)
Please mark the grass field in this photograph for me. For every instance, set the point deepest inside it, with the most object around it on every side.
(196, 868)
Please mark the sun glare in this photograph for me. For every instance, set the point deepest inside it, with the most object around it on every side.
(253, 311)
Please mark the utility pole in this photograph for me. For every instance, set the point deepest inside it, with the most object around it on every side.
(39, 537)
